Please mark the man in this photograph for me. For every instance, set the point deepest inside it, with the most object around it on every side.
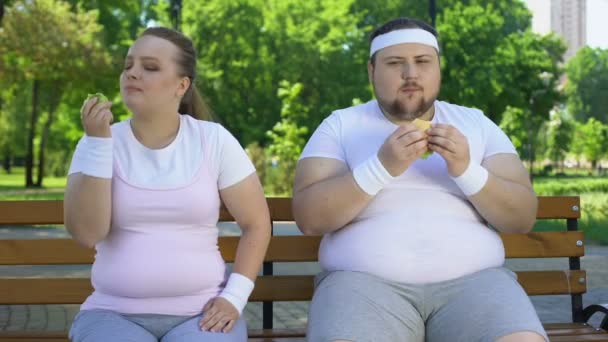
(407, 253)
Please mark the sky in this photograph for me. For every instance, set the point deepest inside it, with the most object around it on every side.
(597, 25)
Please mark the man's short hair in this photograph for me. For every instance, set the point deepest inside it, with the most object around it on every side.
(397, 24)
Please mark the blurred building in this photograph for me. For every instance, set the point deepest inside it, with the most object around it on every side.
(568, 20)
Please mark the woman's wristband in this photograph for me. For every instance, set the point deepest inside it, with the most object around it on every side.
(93, 157)
(237, 291)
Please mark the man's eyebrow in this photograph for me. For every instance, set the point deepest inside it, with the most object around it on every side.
(401, 57)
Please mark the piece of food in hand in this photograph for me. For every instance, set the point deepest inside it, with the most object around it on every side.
(100, 97)
(423, 125)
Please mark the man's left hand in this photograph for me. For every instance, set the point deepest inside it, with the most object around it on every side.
(452, 145)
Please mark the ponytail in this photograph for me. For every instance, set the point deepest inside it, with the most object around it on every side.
(194, 105)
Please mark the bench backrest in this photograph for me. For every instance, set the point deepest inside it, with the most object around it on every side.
(269, 288)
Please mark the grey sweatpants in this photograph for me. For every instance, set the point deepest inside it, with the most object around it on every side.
(483, 306)
(105, 325)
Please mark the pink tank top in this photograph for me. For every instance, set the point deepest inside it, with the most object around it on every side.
(161, 255)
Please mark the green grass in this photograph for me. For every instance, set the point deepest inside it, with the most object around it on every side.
(570, 185)
(12, 187)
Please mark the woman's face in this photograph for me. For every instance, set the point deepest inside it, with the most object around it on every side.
(151, 80)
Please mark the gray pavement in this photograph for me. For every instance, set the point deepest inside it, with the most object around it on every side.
(286, 315)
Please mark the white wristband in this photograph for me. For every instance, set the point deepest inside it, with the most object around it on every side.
(237, 291)
(371, 176)
(93, 157)
(472, 180)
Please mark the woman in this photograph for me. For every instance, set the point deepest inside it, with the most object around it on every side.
(146, 193)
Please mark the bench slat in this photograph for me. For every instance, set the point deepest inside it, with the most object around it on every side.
(268, 288)
(282, 248)
(28, 212)
(556, 207)
(544, 244)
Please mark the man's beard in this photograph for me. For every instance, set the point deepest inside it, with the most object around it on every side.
(399, 110)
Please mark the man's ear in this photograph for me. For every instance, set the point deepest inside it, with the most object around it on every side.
(184, 84)
(370, 71)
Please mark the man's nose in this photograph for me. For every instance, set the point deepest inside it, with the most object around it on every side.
(408, 71)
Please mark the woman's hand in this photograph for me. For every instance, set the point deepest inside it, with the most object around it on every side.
(219, 315)
(96, 118)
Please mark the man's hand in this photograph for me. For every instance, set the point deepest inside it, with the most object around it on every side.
(219, 315)
(452, 145)
(402, 148)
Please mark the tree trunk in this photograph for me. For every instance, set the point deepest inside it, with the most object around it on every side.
(29, 156)
(1, 10)
(7, 160)
(530, 152)
(53, 103)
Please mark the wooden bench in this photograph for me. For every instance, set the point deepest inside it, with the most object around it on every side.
(270, 288)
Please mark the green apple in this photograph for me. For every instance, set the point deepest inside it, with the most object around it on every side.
(100, 97)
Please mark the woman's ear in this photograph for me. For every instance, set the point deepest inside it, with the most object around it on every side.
(184, 84)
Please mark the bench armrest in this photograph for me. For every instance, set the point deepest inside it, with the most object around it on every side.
(592, 309)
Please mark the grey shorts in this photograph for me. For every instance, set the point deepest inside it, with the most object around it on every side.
(483, 306)
(105, 325)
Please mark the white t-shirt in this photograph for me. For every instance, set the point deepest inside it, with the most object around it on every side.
(175, 165)
(420, 228)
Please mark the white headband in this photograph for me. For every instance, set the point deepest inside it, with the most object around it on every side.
(415, 35)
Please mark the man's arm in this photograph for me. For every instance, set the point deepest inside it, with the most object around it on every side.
(325, 195)
(507, 201)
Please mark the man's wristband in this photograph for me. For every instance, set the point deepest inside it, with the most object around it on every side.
(472, 180)
(371, 176)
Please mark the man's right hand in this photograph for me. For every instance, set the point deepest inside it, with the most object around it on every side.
(402, 148)
(96, 118)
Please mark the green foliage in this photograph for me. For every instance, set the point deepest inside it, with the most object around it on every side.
(513, 124)
(590, 140)
(559, 136)
(247, 47)
(508, 66)
(287, 140)
(587, 85)
(34, 36)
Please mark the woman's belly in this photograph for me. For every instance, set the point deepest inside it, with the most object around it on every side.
(135, 265)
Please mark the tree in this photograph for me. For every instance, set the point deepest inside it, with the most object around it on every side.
(560, 132)
(287, 139)
(35, 35)
(593, 140)
(505, 68)
(512, 123)
(587, 84)
(247, 47)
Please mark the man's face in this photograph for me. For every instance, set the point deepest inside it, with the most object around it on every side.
(406, 79)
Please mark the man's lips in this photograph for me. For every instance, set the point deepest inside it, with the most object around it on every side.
(410, 89)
